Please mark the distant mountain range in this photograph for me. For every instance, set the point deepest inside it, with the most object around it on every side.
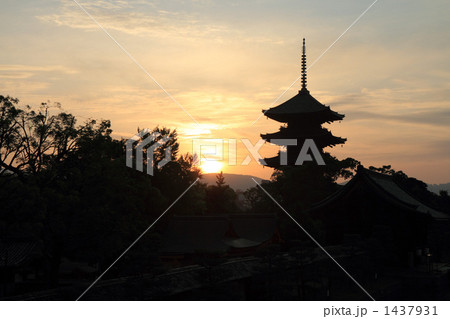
(435, 188)
(243, 182)
(236, 181)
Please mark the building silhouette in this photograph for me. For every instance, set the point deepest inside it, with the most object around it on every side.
(303, 117)
(373, 207)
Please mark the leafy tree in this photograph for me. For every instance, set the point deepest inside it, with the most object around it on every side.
(30, 140)
(68, 187)
(9, 136)
(220, 182)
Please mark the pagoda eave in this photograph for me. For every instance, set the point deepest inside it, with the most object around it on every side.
(273, 162)
(301, 132)
(318, 117)
(324, 140)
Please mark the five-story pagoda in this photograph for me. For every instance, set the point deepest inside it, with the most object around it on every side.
(304, 116)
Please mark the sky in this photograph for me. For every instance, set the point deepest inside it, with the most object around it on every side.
(224, 61)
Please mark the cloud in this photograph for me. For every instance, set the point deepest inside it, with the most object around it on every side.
(440, 148)
(438, 117)
(144, 19)
(20, 88)
(19, 71)
(20, 80)
(407, 106)
(114, 16)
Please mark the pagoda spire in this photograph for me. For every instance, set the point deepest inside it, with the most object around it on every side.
(304, 67)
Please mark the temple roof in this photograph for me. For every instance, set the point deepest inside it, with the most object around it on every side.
(273, 162)
(321, 136)
(385, 187)
(303, 106)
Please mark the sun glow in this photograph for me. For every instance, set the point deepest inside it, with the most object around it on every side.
(211, 166)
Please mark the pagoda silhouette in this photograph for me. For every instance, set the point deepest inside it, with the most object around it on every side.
(303, 116)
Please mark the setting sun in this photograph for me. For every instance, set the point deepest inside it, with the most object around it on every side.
(211, 166)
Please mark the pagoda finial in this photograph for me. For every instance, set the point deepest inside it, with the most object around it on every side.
(304, 66)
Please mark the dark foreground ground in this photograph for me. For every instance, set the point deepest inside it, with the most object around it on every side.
(287, 276)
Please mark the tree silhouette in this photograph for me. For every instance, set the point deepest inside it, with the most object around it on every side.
(31, 140)
(220, 198)
(67, 187)
(220, 182)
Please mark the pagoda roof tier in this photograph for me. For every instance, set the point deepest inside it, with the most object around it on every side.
(303, 107)
(297, 132)
(321, 137)
(275, 161)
